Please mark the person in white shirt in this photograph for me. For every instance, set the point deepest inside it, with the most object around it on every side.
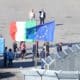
(42, 16)
(31, 14)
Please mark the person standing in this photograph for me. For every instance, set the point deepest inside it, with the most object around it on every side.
(59, 50)
(42, 16)
(59, 47)
(34, 51)
(22, 48)
(47, 49)
(42, 56)
(10, 57)
(15, 48)
(5, 57)
(32, 15)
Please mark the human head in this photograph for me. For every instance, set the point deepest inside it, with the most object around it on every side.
(10, 49)
(60, 44)
(6, 48)
(43, 49)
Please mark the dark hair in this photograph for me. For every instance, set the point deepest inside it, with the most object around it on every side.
(43, 48)
(10, 49)
(5, 47)
(39, 11)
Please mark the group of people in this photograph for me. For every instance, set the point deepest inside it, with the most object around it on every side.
(42, 54)
(10, 54)
(8, 57)
(45, 52)
(21, 48)
(42, 15)
(45, 49)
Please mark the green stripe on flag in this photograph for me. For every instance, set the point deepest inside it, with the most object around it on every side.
(30, 24)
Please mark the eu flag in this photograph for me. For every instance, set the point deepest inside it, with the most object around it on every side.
(43, 32)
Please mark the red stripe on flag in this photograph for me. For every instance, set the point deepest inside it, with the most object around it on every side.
(13, 30)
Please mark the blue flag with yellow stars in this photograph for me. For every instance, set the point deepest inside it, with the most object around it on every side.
(43, 32)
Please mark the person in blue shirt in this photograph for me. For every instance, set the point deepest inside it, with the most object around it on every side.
(10, 57)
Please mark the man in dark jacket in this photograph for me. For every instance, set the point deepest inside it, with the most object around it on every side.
(42, 16)
(15, 49)
(5, 57)
(59, 47)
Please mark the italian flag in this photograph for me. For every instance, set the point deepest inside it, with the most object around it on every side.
(18, 30)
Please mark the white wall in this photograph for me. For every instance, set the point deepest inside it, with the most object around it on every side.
(66, 12)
